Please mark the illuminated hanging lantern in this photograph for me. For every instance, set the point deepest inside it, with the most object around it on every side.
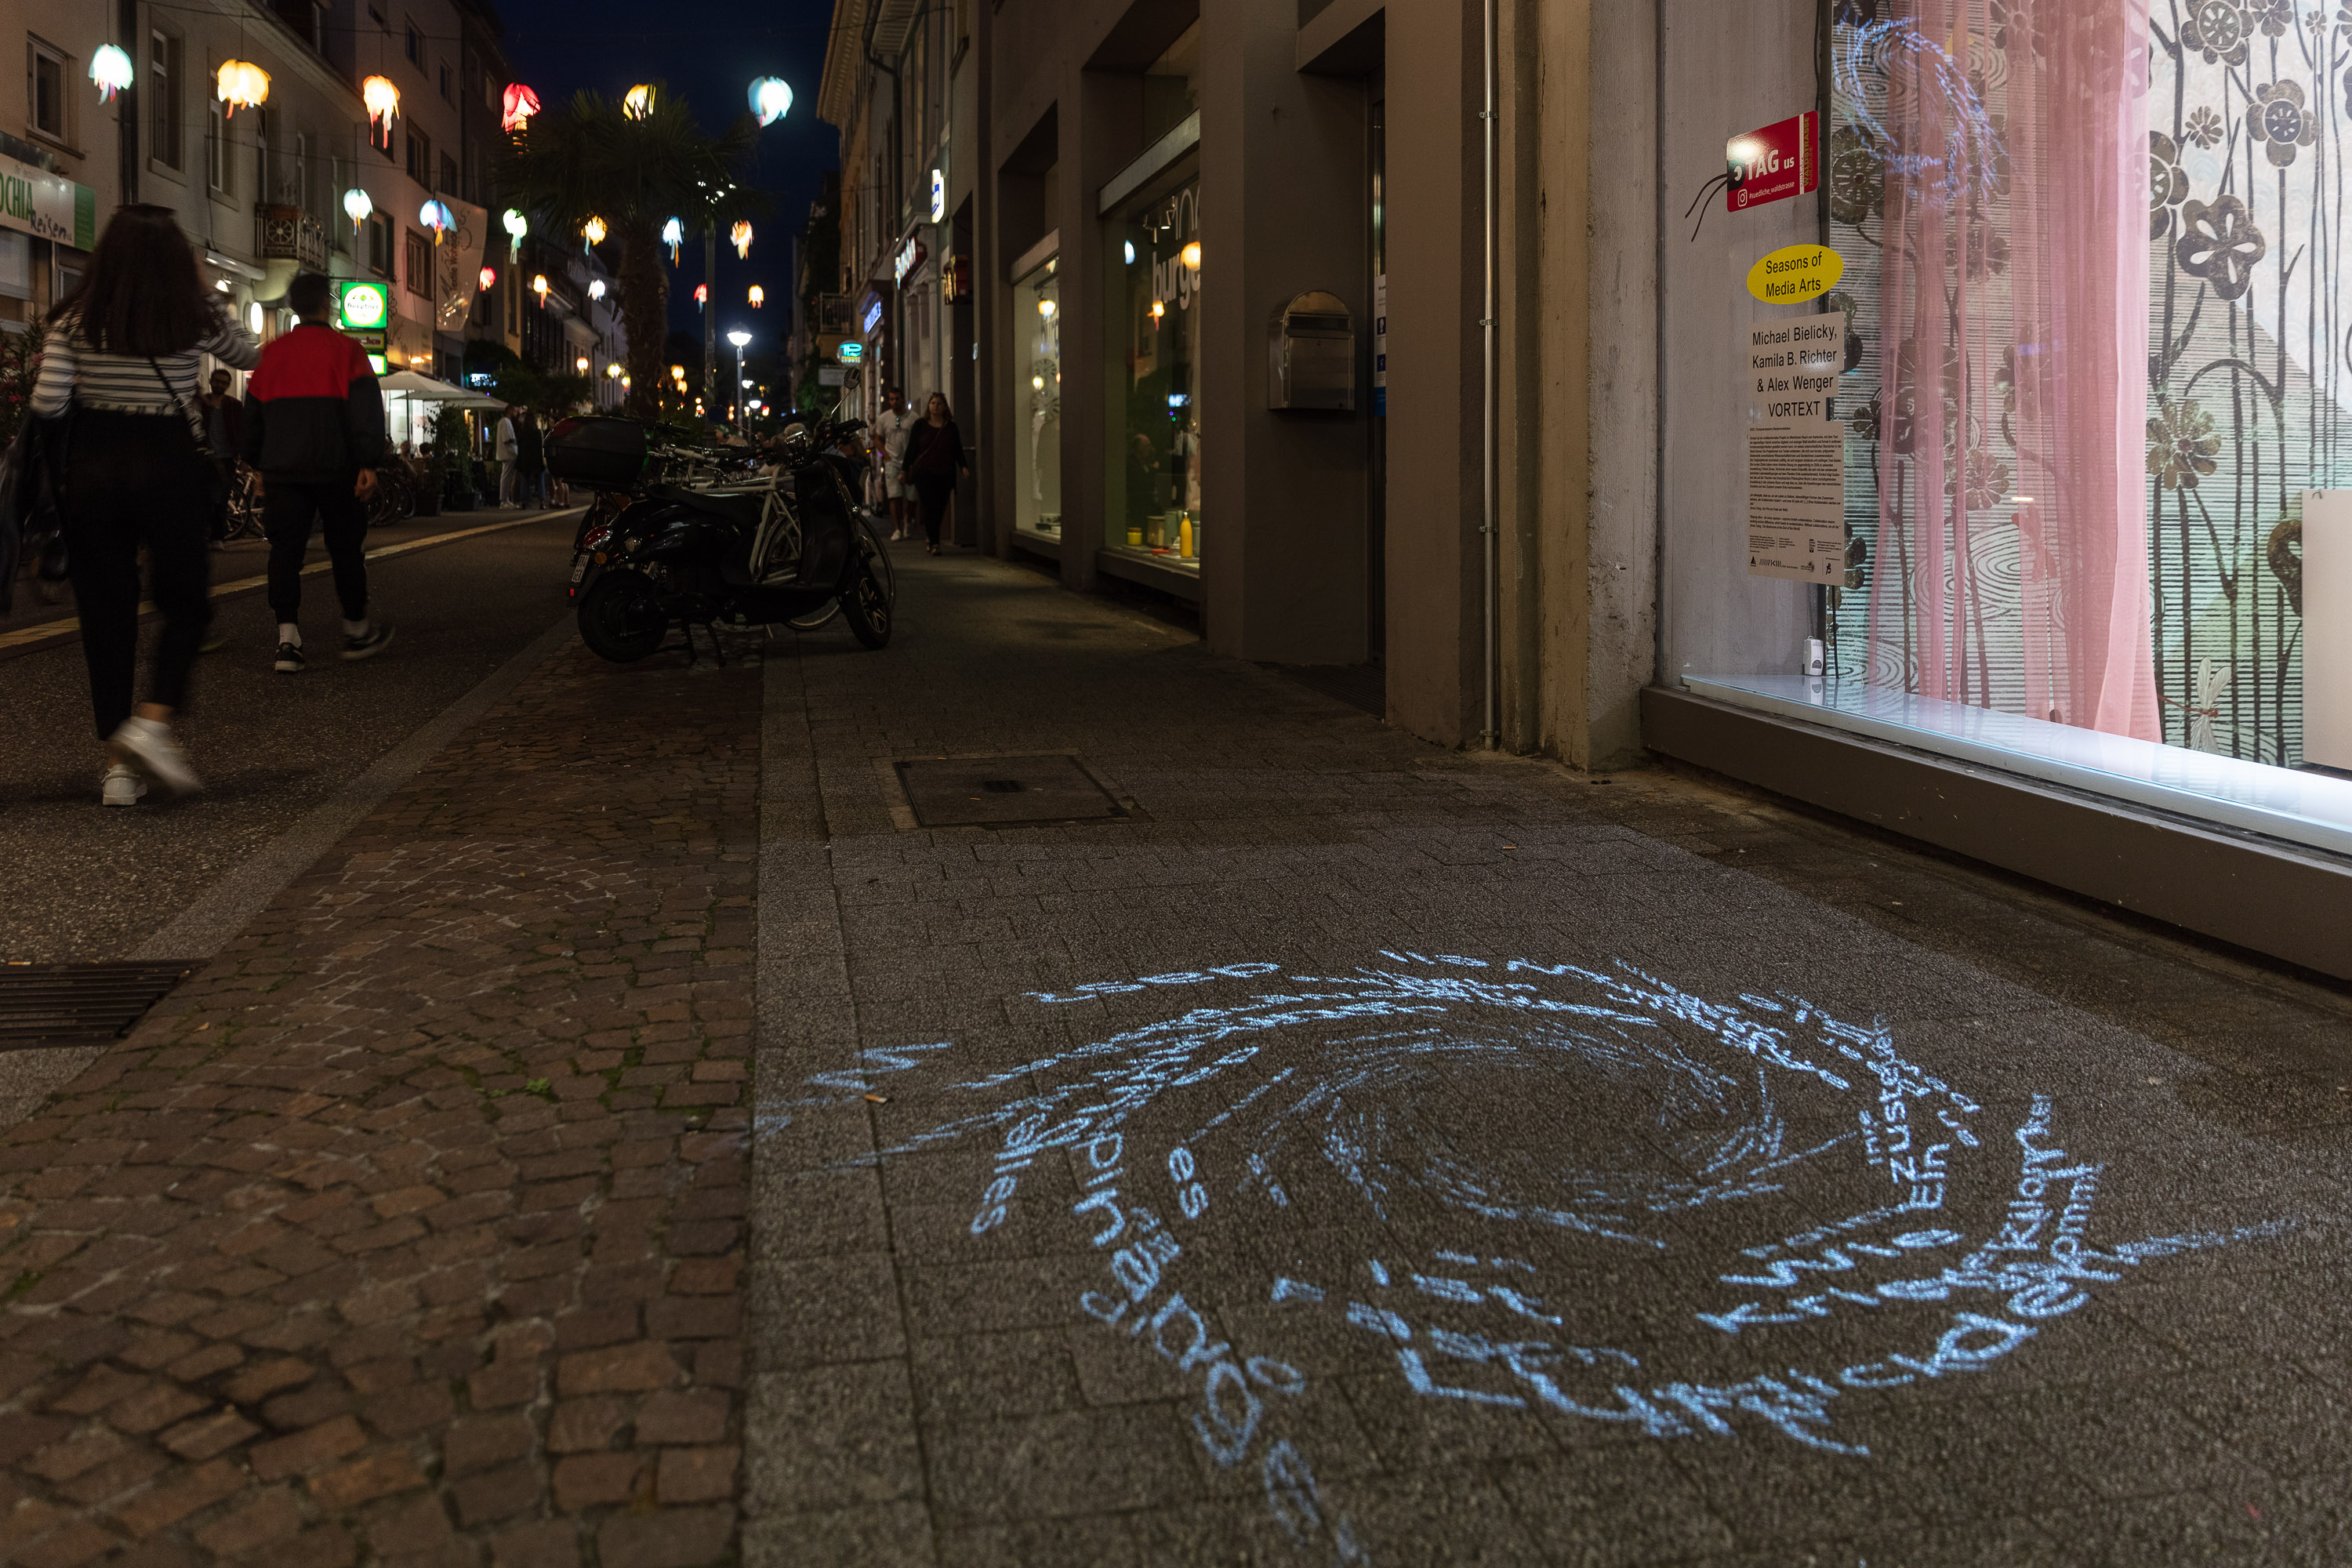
(614, 370)
(516, 226)
(595, 289)
(1192, 255)
(109, 68)
(357, 206)
(759, 296)
(489, 277)
(538, 287)
(701, 295)
(673, 236)
(242, 84)
(741, 236)
(581, 365)
(593, 231)
(381, 98)
(436, 215)
(770, 100)
(638, 102)
(522, 103)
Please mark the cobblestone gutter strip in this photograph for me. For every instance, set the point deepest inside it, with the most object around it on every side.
(409, 1229)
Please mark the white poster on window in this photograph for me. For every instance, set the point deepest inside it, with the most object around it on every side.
(1796, 450)
(458, 264)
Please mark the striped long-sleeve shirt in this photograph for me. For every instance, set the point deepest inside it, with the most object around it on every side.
(74, 372)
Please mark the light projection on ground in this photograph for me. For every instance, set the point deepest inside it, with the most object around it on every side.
(1580, 1191)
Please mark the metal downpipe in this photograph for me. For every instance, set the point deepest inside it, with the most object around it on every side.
(1489, 526)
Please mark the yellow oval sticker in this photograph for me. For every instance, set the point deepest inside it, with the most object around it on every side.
(1796, 273)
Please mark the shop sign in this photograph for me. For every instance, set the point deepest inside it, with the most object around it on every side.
(362, 305)
(955, 277)
(1796, 450)
(47, 206)
(872, 319)
(1772, 165)
(1380, 345)
(911, 256)
(850, 352)
(939, 196)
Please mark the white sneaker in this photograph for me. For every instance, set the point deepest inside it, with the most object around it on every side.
(148, 746)
(123, 786)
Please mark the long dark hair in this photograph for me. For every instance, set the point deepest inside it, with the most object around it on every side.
(141, 294)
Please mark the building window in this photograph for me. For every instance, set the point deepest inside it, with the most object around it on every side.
(1037, 395)
(448, 93)
(419, 269)
(50, 71)
(1153, 252)
(448, 185)
(220, 150)
(415, 45)
(379, 232)
(163, 90)
(420, 156)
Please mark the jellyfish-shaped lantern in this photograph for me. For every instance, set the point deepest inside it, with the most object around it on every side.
(741, 236)
(772, 100)
(516, 226)
(638, 103)
(381, 100)
(437, 216)
(241, 84)
(595, 288)
(673, 236)
(759, 296)
(520, 104)
(538, 287)
(357, 206)
(109, 68)
(593, 231)
(701, 295)
(490, 275)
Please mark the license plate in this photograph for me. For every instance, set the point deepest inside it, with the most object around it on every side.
(579, 569)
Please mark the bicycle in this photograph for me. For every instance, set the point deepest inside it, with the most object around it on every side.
(243, 519)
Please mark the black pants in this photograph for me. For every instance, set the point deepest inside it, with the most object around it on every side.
(134, 480)
(287, 510)
(934, 490)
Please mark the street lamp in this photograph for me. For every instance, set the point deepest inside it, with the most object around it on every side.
(738, 337)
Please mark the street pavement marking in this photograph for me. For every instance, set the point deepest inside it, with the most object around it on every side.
(69, 626)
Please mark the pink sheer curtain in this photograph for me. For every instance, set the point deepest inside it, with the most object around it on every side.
(2014, 370)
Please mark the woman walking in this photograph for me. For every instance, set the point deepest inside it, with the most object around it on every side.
(934, 460)
(121, 356)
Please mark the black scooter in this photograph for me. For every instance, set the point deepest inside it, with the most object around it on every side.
(784, 548)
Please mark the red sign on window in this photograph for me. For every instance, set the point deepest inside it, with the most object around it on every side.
(1774, 163)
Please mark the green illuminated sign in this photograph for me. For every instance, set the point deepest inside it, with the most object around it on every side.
(362, 305)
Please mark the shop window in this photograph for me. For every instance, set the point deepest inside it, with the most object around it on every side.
(1154, 473)
(166, 103)
(1037, 395)
(1171, 86)
(49, 74)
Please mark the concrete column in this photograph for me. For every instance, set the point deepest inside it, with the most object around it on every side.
(1283, 209)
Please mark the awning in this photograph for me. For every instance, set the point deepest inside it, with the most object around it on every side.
(424, 389)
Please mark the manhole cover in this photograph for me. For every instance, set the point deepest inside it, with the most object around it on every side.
(44, 1004)
(996, 792)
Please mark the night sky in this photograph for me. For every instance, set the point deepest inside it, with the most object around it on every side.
(708, 51)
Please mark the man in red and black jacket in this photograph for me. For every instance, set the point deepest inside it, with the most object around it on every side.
(314, 430)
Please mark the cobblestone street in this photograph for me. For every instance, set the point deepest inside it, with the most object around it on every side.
(638, 1141)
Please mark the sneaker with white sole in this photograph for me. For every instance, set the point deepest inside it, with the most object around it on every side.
(147, 745)
(122, 785)
(289, 659)
(372, 642)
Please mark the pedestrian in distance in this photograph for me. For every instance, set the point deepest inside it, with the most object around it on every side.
(889, 442)
(934, 461)
(314, 428)
(121, 359)
(531, 454)
(224, 429)
(506, 451)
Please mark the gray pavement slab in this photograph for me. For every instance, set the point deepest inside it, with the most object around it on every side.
(1374, 1154)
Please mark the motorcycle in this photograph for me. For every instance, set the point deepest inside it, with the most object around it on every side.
(790, 546)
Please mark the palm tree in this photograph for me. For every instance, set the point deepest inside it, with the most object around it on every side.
(589, 159)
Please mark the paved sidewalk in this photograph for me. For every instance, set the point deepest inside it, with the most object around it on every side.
(409, 1229)
(1372, 1154)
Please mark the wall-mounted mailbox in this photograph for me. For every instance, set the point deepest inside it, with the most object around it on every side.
(1311, 355)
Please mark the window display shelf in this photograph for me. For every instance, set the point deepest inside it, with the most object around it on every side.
(1169, 573)
(2302, 807)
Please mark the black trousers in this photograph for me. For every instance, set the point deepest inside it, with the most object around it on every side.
(934, 490)
(288, 509)
(136, 480)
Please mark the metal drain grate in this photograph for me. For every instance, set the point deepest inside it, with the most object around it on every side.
(45, 1004)
(1001, 790)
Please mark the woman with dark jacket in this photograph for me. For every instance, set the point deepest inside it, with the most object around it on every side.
(122, 355)
(933, 459)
